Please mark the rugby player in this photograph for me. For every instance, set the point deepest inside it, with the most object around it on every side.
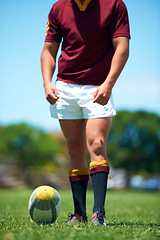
(95, 47)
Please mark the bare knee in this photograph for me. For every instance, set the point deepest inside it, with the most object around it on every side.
(76, 150)
(96, 146)
(74, 146)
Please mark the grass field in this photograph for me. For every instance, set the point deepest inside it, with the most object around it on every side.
(130, 215)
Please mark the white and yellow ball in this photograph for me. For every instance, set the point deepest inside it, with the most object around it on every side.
(44, 205)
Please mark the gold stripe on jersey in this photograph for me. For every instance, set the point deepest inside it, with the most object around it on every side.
(47, 27)
(82, 6)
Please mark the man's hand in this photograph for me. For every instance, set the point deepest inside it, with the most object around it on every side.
(51, 92)
(102, 94)
(48, 59)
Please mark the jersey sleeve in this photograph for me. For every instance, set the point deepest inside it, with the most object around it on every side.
(53, 32)
(120, 24)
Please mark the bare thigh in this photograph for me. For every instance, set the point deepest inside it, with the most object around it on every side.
(75, 134)
(97, 131)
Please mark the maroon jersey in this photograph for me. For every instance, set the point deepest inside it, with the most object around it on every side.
(86, 32)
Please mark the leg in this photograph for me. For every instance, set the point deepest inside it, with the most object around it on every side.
(97, 131)
(74, 132)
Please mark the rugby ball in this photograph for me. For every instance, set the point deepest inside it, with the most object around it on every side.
(44, 205)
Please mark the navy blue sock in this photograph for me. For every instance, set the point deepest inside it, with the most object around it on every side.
(99, 184)
(79, 189)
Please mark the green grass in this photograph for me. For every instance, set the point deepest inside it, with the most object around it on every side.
(130, 215)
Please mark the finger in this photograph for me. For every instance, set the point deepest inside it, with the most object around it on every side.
(98, 99)
(101, 100)
(104, 102)
(95, 100)
(51, 98)
(56, 92)
(95, 93)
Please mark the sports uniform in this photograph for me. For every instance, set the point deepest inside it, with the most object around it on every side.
(87, 48)
(86, 31)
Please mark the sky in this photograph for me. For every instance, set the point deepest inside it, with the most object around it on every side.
(22, 33)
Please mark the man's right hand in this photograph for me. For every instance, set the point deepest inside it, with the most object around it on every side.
(51, 92)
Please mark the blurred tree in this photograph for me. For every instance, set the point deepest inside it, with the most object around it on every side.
(133, 144)
(134, 141)
(27, 146)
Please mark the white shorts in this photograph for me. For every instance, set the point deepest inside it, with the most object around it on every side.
(76, 102)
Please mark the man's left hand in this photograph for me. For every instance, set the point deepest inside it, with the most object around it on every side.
(102, 94)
